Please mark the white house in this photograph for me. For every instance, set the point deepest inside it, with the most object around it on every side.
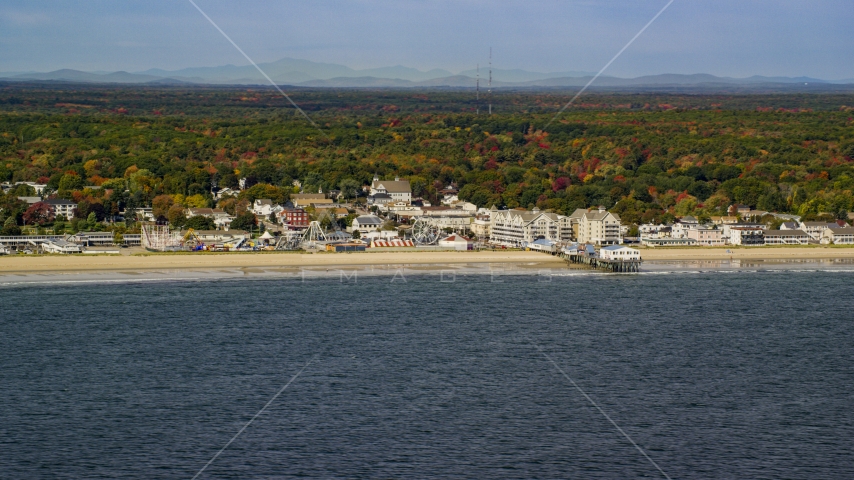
(815, 229)
(667, 242)
(60, 246)
(365, 224)
(682, 226)
(619, 252)
(449, 194)
(220, 217)
(38, 187)
(225, 192)
(838, 236)
(749, 235)
(464, 206)
(264, 207)
(786, 237)
(397, 189)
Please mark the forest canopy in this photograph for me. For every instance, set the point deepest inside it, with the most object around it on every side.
(645, 156)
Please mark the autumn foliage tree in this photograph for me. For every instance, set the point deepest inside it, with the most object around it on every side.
(39, 213)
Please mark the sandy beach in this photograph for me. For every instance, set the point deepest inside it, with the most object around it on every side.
(747, 253)
(85, 263)
(21, 264)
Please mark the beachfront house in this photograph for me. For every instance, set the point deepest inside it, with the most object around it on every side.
(815, 229)
(747, 235)
(667, 242)
(838, 236)
(59, 246)
(682, 226)
(787, 237)
(706, 236)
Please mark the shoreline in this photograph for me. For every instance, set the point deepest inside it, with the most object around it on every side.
(43, 264)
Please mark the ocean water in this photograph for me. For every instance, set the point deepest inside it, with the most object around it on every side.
(720, 374)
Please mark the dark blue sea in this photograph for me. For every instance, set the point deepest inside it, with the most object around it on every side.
(713, 375)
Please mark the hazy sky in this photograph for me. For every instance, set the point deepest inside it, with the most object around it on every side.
(721, 37)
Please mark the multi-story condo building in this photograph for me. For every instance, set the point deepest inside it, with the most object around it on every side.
(599, 227)
(515, 228)
(62, 207)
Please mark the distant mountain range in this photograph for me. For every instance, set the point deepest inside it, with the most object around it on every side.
(305, 73)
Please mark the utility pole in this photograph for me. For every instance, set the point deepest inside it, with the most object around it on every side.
(477, 91)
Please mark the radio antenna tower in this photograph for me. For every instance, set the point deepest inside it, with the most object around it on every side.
(489, 88)
(477, 92)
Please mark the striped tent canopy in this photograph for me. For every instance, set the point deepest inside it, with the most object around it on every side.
(396, 242)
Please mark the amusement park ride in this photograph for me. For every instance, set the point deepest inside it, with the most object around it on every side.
(159, 238)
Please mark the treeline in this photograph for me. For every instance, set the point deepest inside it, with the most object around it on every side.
(647, 157)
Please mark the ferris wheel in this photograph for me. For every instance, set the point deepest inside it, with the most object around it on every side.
(424, 232)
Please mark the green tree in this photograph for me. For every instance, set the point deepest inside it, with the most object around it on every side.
(244, 221)
(176, 216)
(349, 188)
(71, 182)
(200, 222)
(262, 190)
(10, 227)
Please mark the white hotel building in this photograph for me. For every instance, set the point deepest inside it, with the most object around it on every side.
(515, 228)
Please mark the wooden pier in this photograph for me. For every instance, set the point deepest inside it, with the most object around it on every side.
(617, 266)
